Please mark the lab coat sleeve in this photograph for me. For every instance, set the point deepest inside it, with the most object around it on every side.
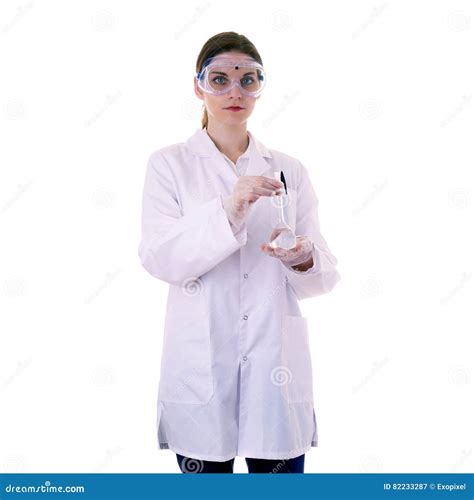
(174, 246)
(323, 275)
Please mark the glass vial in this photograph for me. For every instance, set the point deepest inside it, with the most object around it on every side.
(283, 235)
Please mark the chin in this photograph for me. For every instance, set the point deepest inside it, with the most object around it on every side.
(235, 121)
(235, 117)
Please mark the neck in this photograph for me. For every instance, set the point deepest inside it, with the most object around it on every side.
(230, 140)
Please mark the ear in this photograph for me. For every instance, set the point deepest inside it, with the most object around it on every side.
(197, 90)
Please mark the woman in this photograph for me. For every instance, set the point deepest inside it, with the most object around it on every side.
(236, 373)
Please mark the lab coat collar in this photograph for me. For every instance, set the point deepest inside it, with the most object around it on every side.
(202, 145)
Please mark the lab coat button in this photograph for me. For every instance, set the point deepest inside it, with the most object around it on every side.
(245, 317)
(246, 275)
(245, 358)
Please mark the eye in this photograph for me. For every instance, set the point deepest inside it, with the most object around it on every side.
(221, 78)
(247, 80)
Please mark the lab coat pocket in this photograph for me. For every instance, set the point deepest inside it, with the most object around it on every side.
(186, 367)
(296, 360)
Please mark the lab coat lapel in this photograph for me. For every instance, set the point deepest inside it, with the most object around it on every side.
(258, 155)
(202, 145)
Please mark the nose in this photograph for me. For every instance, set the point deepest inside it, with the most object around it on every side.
(235, 91)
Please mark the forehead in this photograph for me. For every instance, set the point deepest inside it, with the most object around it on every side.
(232, 59)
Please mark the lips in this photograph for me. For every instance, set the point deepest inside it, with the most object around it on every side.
(234, 108)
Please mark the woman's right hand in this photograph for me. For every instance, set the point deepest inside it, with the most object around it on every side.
(247, 190)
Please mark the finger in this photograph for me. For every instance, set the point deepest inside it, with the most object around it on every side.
(271, 184)
(268, 182)
(281, 253)
(295, 249)
(266, 248)
(260, 191)
(264, 182)
(275, 233)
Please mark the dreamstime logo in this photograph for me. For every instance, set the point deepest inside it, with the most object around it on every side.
(14, 109)
(185, 384)
(192, 465)
(371, 464)
(109, 100)
(102, 198)
(20, 191)
(280, 20)
(377, 366)
(191, 286)
(376, 11)
(14, 463)
(281, 464)
(458, 21)
(20, 368)
(109, 455)
(371, 287)
(103, 376)
(465, 100)
(14, 287)
(458, 375)
(109, 277)
(273, 293)
(464, 455)
(465, 277)
(199, 11)
(20, 13)
(103, 20)
(369, 109)
(458, 198)
(283, 200)
(281, 375)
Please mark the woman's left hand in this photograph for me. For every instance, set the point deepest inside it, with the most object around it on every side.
(300, 253)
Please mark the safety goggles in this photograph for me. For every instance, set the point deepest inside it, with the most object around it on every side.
(221, 74)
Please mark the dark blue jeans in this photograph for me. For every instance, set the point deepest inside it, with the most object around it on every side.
(260, 465)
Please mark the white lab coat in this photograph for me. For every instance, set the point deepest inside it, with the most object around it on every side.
(236, 372)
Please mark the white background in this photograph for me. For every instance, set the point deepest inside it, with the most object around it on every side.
(374, 97)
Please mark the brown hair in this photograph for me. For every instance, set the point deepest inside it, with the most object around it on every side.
(225, 42)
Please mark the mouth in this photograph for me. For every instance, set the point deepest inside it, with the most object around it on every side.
(234, 108)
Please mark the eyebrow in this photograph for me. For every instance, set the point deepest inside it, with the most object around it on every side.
(225, 74)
